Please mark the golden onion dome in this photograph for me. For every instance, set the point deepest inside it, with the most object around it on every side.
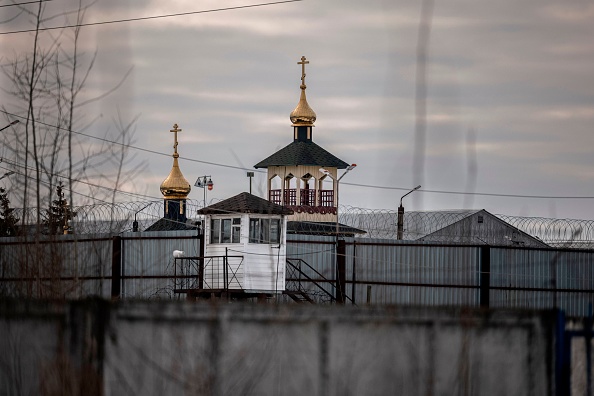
(175, 185)
(303, 114)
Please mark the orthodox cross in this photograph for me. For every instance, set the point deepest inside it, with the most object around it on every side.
(175, 130)
(303, 63)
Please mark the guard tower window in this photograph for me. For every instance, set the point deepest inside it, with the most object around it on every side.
(225, 230)
(264, 230)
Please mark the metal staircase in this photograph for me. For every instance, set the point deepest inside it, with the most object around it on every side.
(320, 289)
(299, 296)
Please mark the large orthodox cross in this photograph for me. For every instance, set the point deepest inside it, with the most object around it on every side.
(303, 63)
(175, 130)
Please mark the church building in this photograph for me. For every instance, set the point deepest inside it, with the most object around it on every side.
(175, 189)
(303, 176)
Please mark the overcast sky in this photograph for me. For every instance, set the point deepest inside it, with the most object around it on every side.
(510, 95)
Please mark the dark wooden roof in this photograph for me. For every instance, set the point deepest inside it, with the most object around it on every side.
(246, 203)
(321, 228)
(164, 224)
(302, 153)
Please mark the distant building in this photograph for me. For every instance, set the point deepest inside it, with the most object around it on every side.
(447, 226)
(478, 227)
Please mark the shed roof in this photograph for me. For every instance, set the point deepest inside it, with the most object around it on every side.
(246, 203)
(448, 226)
(495, 232)
(164, 224)
(321, 228)
(302, 153)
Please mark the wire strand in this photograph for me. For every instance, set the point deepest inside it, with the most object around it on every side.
(343, 183)
(24, 3)
(150, 17)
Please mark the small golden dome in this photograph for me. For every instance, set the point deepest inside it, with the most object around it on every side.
(303, 114)
(176, 185)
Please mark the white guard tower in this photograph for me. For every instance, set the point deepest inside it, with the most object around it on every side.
(244, 247)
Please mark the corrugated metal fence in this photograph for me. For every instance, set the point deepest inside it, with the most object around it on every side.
(148, 263)
(73, 266)
(376, 270)
(400, 272)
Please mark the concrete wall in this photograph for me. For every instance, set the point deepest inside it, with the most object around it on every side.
(156, 348)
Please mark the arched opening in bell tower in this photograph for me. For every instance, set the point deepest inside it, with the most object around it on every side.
(290, 192)
(326, 188)
(308, 190)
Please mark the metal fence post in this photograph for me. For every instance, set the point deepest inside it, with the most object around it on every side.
(485, 276)
(354, 276)
(341, 271)
(116, 267)
(225, 274)
(588, 339)
(562, 357)
(201, 259)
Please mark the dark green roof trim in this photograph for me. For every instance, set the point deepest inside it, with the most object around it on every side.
(302, 153)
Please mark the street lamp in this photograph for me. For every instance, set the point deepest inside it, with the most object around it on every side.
(400, 230)
(327, 173)
(250, 175)
(11, 124)
(201, 182)
(135, 223)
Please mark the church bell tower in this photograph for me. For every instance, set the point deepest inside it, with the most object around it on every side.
(303, 175)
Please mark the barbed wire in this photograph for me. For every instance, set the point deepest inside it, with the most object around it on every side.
(446, 226)
(435, 226)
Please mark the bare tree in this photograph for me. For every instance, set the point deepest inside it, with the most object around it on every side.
(46, 83)
(46, 90)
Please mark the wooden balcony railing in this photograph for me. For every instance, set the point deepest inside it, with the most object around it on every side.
(291, 197)
(307, 198)
(274, 196)
(326, 198)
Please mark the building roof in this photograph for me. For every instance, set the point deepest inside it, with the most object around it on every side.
(419, 224)
(448, 226)
(302, 153)
(321, 228)
(164, 224)
(483, 227)
(383, 224)
(246, 203)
